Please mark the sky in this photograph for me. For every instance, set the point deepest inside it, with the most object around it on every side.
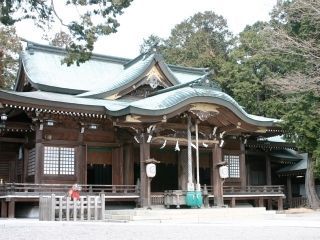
(158, 17)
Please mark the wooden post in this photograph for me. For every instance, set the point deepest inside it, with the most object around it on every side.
(39, 153)
(144, 155)
(117, 166)
(216, 180)
(280, 204)
(128, 168)
(4, 209)
(289, 190)
(183, 169)
(11, 209)
(233, 202)
(269, 181)
(190, 186)
(261, 202)
(243, 174)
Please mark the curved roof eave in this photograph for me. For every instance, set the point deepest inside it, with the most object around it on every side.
(213, 100)
(140, 107)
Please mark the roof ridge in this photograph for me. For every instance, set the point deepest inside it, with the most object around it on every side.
(188, 69)
(62, 51)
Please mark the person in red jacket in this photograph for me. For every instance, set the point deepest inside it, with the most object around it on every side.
(74, 192)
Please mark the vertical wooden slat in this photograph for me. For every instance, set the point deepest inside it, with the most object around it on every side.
(81, 209)
(52, 207)
(75, 210)
(95, 208)
(102, 197)
(67, 208)
(60, 208)
(88, 208)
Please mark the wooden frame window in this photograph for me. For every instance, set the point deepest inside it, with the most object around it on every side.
(233, 162)
(59, 160)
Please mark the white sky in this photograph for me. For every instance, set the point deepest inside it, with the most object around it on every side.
(158, 17)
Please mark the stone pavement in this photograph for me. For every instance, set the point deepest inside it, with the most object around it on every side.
(292, 226)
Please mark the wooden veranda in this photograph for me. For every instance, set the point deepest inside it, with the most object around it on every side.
(10, 193)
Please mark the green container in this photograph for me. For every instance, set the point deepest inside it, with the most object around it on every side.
(194, 199)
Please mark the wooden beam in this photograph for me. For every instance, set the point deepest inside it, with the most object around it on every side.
(182, 141)
(13, 140)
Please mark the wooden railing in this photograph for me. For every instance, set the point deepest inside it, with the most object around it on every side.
(27, 189)
(62, 208)
(264, 189)
(157, 198)
(297, 202)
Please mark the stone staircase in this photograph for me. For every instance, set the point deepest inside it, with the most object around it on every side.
(190, 215)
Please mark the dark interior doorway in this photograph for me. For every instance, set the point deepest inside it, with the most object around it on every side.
(99, 174)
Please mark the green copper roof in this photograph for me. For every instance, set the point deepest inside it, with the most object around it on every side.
(299, 167)
(42, 65)
(133, 72)
(157, 105)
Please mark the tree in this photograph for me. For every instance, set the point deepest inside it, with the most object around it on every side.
(295, 32)
(202, 40)
(151, 42)
(61, 39)
(96, 18)
(302, 126)
(10, 46)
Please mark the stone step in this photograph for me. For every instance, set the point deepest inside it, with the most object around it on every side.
(205, 213)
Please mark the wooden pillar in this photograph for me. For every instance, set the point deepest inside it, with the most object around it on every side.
(25, 163)
(216, 180)
(280, 204)
(81, 159)
(261, 202)
(117, 166)
(144, 155)
(128, 168)
(183, 169)
(11, 208)
(268, 176)
(289, 190)
(39, 153)
(4, 209)
(243, 174)
(248, 173)
(268, 170)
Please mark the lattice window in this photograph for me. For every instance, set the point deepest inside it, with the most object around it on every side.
(31, 162)
(233, 165)
(59, 160)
